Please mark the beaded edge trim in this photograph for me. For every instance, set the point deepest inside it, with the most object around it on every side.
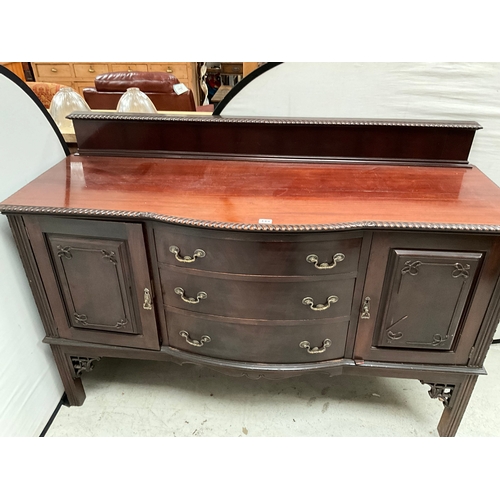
(270, 121)
(6, 209)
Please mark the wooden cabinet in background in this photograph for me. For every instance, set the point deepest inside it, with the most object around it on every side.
(80, 75)
(16, 68)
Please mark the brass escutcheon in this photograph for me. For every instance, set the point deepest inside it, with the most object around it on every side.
(147, 300)
(365, 311)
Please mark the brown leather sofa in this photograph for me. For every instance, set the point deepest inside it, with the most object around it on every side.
(158, 86)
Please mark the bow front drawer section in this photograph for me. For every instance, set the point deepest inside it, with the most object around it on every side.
(256, 341)
(265, 297)
(263, 254)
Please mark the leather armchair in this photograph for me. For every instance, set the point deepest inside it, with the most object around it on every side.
(158, 86)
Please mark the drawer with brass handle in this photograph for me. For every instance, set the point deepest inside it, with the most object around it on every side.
(129, 67)
(52, 71)
(254, 340)
(90, 70)
(180, 70)
(256, 296)
(231, 68)
(258, 254)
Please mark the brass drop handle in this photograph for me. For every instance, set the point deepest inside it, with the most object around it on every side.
(308, 301)
(169, 69)
(199, 296)
(91, 69)
(314, 259)
(129, 69)
(197, 253)
(315, 350)
(195, 343)
(365, 310)
(147, 300)
(54, 70)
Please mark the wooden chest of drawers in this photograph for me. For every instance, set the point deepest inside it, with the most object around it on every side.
(80, 75)
(161, 256)
(254, 286)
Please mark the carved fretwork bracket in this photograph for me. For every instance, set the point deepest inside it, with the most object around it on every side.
(461, 270)
(443, 392)
(81, 364)
(64, 252)
(109, 256)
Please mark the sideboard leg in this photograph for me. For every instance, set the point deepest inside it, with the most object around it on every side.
(72, 383)
(453, 413)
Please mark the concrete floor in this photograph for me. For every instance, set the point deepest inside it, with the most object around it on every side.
(140, 398)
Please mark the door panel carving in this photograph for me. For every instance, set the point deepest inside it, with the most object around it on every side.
(95, 285)
(427, 292)
(96, 276)
(424, 297)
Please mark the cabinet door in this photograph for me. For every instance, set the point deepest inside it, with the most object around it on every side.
(425, 297)
(97, 280)
(427, 292)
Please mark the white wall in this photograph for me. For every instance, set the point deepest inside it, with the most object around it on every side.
(30, 387)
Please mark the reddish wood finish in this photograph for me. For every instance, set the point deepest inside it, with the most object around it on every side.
(289, 194)
(315, 138)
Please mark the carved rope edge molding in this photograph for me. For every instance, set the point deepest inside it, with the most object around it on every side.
(269, 121)
(17, 209)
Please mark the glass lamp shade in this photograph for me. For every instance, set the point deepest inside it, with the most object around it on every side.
(64, 102)
(135, 101)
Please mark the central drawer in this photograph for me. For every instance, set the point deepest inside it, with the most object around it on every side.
(264, 297)
(260, 254)
(89, 70)
(179, 70)
(256, 341)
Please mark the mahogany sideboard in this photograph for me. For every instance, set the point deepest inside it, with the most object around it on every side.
(267, 248)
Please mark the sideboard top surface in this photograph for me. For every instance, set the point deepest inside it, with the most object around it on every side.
(232, 194)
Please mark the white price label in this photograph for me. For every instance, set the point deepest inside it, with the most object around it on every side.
(179, 88)
(265, 221)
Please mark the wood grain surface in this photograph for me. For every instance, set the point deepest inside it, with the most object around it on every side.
(245, 191)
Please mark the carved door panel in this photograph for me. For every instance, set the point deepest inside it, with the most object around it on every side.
(97, 280)
(425, 297)
(427, 292)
